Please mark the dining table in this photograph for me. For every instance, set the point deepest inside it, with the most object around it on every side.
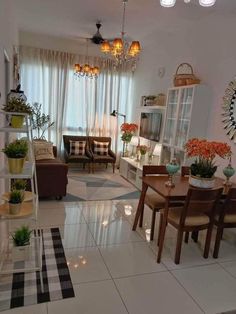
(178, 192)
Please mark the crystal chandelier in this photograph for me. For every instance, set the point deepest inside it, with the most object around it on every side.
(171, 3)
(86, 70)
(120, 49)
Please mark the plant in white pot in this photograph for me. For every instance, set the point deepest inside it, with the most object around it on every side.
(16, 152)
(21, 244)
(16, 198)
(20, 185)
(203, 169)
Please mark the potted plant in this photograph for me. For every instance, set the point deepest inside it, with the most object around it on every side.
(203, 169)
(21, 244)
(40, 121)
(17, 105)
(20, 185)
(15, 200)
(16, 152)
(150, 100)
(128, 130)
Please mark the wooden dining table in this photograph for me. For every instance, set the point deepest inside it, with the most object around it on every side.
(178, 192)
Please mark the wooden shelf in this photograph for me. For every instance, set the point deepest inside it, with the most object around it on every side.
(26, 211)
(28, 196)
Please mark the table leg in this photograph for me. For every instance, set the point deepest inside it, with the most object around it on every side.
(162, 231)
(140, 206)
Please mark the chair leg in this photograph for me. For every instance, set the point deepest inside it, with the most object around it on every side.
(113, 165)
(159, 231)
(195, 236)
(178, 246)
(153, 224)
(186, 237)
(217, 242)
(208, 242)
(141, 217)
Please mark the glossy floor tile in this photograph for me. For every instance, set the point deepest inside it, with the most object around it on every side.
(36, 309)
(98, 297)
(75, 236)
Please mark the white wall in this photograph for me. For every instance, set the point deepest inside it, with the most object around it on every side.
(8, 38)
(210, 47)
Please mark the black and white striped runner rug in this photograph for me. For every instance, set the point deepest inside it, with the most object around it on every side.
(24, 289)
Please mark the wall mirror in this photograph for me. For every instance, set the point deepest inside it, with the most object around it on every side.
(229, 110)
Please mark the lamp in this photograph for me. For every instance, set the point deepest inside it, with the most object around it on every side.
(86, 70)
(167, 3)
(207, 3)
(157, 152)
(120, 49)
(171, 3)
(115, 113)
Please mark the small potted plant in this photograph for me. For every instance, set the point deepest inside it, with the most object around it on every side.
(16, 152)
(17, 105)
(15, 200)
(21, 244)
(20, 185)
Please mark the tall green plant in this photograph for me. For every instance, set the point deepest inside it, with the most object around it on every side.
(40, 121)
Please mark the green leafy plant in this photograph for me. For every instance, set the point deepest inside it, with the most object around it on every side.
(16, 149)
(19, 184)
(40, 121)
(18, 105)
(21, 236)
(16, 197)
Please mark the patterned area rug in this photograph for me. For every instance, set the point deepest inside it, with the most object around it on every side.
(99, 186)
(24, 289)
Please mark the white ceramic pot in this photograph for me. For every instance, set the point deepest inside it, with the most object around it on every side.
(203, 183)
(20, 253)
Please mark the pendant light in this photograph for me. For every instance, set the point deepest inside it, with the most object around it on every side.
(167, 3)
(207, 3)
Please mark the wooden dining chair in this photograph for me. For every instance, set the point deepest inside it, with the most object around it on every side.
(196, 214)
(153, 200)
(225, 218)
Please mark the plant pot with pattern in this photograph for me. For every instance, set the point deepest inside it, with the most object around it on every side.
(21, 244)
(15, 200)
(203, 169)
(17, 105)
(16, 152)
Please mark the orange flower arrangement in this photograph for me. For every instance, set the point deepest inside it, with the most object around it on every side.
(206, 152)
(128, 130)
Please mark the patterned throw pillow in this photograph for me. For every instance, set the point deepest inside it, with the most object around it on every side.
(43, 150)
(100, 148)
(77, 148)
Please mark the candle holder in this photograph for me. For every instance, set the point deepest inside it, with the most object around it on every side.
(171, 168)
(228, 171)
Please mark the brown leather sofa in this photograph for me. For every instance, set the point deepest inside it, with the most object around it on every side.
(89, 158)
(52, 177)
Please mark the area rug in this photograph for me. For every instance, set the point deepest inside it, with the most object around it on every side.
(23, 289)
(99, 186)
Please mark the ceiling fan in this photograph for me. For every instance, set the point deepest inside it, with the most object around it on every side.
(97, 38)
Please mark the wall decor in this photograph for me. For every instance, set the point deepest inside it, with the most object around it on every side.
(229, 110)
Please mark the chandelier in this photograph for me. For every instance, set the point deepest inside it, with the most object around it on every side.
(171, 3)
(120, 49)
(86, 70)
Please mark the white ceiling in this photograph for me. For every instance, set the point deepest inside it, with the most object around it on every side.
(75, 18)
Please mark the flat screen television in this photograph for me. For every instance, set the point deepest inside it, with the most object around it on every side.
(150, 125)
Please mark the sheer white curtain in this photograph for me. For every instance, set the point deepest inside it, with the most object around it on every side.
(78, 106)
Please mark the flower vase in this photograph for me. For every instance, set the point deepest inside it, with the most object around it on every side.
(126, 151)
(142, 158)
(203, 183)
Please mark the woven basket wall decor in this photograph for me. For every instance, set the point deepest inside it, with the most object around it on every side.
(184, 75)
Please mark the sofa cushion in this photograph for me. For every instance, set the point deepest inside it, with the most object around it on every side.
(43, 150)
(101, 148)
(77, 148)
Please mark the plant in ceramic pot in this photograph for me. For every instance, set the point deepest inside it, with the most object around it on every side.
(17, 105)
(16, 152)
(128, 130)
(40, 121)
(204, 167)
(15, 200)
(21, 241)
(20, 185)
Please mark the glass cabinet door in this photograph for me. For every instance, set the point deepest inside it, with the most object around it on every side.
(171, 117)
(184, 115)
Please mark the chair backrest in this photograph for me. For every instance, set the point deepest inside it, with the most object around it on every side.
(229, 203)
(68, 138)
(201, 201)
(185, 171)
(98, 139)
(154, 169)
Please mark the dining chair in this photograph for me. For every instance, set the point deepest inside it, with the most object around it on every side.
(225, 218)
(196, 214)
(152, 199)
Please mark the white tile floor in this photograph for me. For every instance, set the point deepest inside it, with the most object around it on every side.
(114, 269)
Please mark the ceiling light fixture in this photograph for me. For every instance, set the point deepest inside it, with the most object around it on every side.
(120, 49)
(86, 70)
(171, 3)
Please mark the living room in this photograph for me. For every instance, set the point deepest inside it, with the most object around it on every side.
(100, 246)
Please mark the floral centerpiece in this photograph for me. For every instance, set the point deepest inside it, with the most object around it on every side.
(128, 130)
(143, 149)
(204, 167)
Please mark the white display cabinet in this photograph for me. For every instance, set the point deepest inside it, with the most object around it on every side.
(186, 117)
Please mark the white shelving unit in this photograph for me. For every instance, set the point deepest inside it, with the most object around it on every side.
(186, 117)
(29, 208)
